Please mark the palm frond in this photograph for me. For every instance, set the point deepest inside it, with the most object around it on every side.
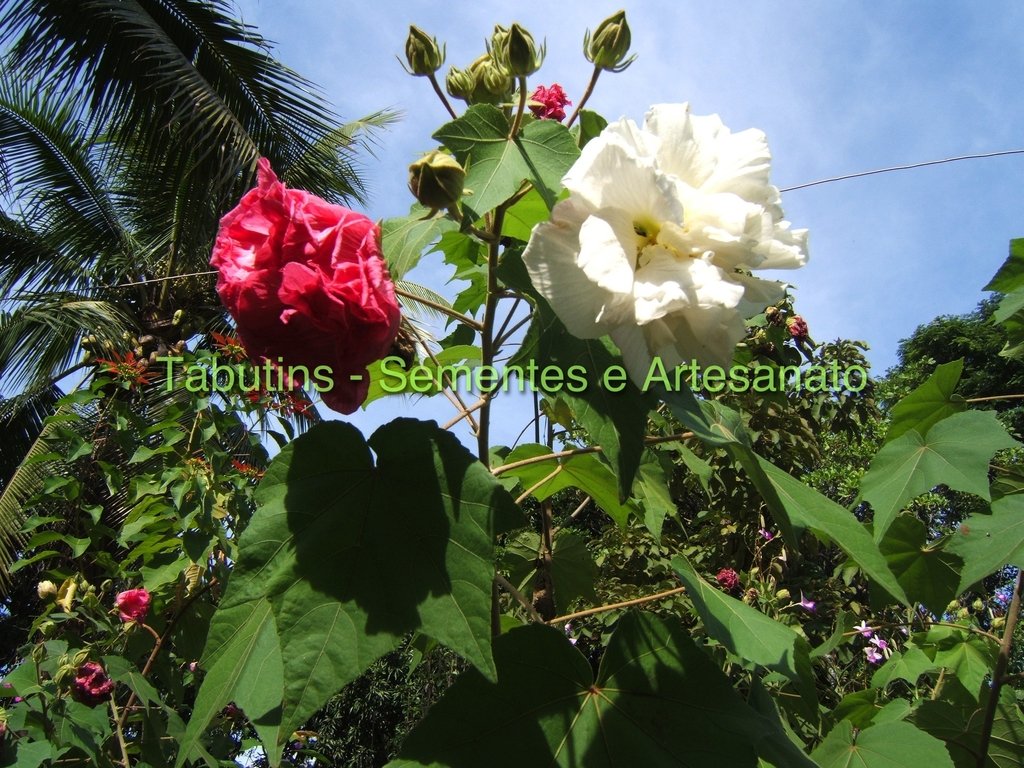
(40, 338)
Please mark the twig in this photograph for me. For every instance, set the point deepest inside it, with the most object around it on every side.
(583, 99)
(926, 624)
(441, 96)
(997, 674)
(550, 476)
(519, 597)
(119, 729)
(650, 440)
(993, 397)
(614, 606)
(464, 414)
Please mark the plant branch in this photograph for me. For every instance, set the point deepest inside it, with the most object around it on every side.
(993, 397)
(119, 728)
(441, 96)
(550, 476)
(519, 597)
(518, 121)
(997, 675)
(614, 606)
(583, 99)
(650, 440)
(488, 348)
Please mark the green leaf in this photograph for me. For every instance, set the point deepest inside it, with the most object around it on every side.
(1010, 276)
(653, 493)
(954, 452)
(573, 570)
(244, 666)
(988, 542)
(590, 126)
(810, 509)
(658, 701)
(496, 167)
(929, 403)
(908, 664)
(888, 745)
(353, 556)
(522, 217)
(584, 471)
(405, 239)
(959, 723)
(970, 657)
(928, 574)
(749, 634)
(859, 708)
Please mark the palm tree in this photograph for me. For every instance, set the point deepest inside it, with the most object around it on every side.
(127, 128)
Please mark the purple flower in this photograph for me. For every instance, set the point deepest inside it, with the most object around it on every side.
(766, 534)
(879, 643)
(864, 629)
(807, 605)
(872, 655)
(568, 632)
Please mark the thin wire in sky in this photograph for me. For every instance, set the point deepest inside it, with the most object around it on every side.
(903, 168)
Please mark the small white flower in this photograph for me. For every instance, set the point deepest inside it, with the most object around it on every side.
(655, 244)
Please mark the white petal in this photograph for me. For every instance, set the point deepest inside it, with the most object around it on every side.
(551, 259)
(631, 341)
(785, 249)
(757, 294)
(616, 179)
(667, 283)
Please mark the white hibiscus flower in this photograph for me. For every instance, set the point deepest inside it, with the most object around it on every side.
(656, 242)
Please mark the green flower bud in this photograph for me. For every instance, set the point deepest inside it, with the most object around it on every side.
(422, 53)
(520, 55)
(81, 657)
(782, 594)
(998, 622)
(978, 605)
(39, 650)
(460, 83)
(608, 46)
(497, 45)
(494, 78)
(436, 180)
(65, 671)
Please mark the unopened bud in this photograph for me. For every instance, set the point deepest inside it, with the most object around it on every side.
(39, 650)
(498, 43)
(773, 316)
(460, 83)
(81, 657)
(978, 605)
(520, 55)
(607, 47)
(782, 594)
(494, 79)
(998, 622)
(423, 53)
(64, 671)
(46, 590)
(436, 180)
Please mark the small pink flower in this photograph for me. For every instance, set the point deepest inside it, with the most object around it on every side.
(568, 632)
(864, 629)
(807, 605)
(728, 579)
(879, 643)
(193, 666)
(551, 102)
(133, 604)
(872, 654)
(92, 686)
(766, 534)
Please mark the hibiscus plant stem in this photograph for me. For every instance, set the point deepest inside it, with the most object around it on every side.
(999, 672)
(487, 345)
(614, 606)
(518, 121)
(583, 99)
(441, 96)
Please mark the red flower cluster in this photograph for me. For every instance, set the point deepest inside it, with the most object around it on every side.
(551, 102)
(128, 368)
(133, 604)
(305, 282)
(728, 579)
(797, 327)
(92, 686)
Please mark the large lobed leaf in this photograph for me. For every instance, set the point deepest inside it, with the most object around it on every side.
(658, 700)
(352, 554)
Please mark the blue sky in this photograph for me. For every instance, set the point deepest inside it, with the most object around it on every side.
(838, 87)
